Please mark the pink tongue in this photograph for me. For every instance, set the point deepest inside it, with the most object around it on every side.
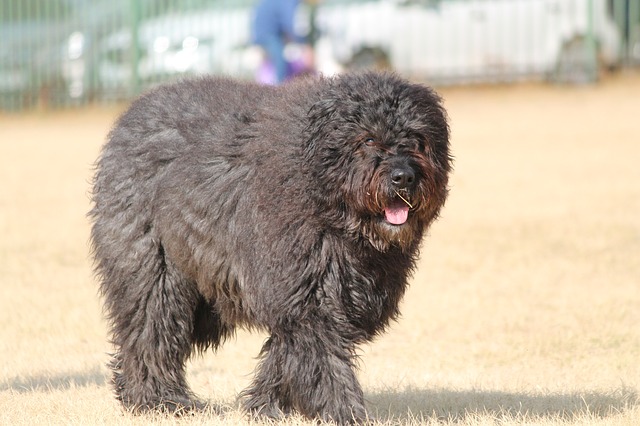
(396, 215)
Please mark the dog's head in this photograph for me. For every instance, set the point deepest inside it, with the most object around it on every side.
(380, 149)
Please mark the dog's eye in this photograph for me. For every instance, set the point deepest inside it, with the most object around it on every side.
(369, 141)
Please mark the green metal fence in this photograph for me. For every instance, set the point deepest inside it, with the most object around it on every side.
(69, 52)
(626, 14)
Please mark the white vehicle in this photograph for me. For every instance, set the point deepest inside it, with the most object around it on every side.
(194, 43)
(471, 40)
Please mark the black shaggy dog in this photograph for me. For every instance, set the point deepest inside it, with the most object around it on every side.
(298, 210)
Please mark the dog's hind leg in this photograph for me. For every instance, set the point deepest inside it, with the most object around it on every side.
(310, 369)
(152, 313)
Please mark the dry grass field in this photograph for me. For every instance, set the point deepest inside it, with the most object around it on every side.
(525, 308)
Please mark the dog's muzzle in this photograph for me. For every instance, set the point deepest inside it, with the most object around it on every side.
(402, 180)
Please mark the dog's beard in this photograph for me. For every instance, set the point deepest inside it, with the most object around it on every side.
(391, 217)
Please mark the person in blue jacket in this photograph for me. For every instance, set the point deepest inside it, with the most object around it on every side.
(273, 28)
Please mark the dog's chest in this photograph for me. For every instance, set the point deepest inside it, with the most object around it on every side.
(370, 291)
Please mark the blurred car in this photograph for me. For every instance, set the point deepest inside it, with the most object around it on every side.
(215, 40)
(469, 40)
(79, 53)
(27, 29)
(48, 53)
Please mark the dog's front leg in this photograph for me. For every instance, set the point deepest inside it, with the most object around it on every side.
(309, 368)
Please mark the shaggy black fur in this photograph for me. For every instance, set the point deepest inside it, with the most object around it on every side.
(220, 204)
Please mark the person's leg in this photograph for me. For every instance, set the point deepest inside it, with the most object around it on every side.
(275, 51)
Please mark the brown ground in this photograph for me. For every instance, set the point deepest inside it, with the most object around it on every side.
(525, 308)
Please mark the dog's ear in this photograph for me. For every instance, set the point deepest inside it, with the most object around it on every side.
(433, 123)
(319, 116)
(430, 107)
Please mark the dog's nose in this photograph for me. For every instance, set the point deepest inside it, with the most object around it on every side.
(402, 177)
